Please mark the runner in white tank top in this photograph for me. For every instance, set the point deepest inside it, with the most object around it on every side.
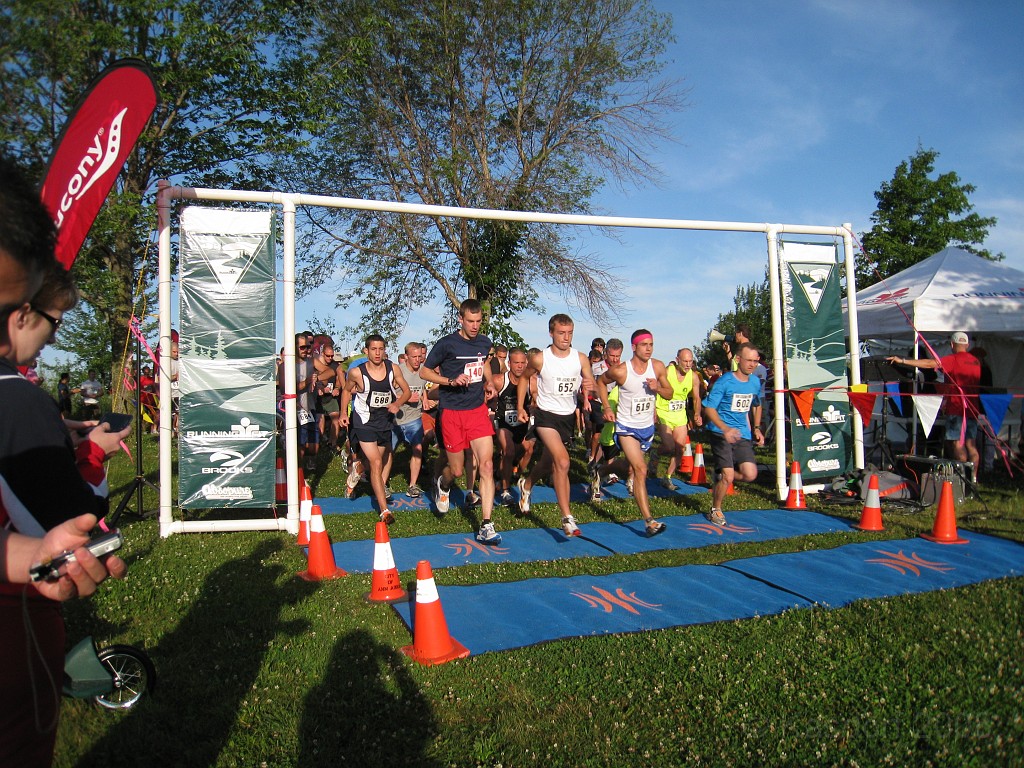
(640, 380)
(560, 370)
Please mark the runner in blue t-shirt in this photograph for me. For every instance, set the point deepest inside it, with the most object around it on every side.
(727, 414)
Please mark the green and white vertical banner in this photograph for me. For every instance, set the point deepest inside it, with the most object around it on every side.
(816, 357)
(226, 370)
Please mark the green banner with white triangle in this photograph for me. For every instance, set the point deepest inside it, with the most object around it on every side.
(816, 358)
(227, 427)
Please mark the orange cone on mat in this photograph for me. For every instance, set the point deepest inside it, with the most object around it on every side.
(731, 490)
(796, 498)
(280, 483)
(944, 531)
(431, 643)
(699, 476)
(686, 464)
(305, 514)
(385, 587)
(320, 558)
(871, 515)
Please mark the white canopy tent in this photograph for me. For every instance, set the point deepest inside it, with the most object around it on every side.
(952, 290)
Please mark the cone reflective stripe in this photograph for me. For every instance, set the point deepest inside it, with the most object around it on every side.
(320, 557)
(796, 499)
(385, 587)
(305, 513)
(686, 465)
(431, 643)
(871, 516)
(944, 531)
(280, 483)
(699, 475)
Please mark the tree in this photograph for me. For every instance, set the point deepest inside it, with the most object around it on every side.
(916, 217)
(221, 111)
(752, 305)
(504, 104)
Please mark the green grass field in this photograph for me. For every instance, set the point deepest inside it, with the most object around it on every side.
(259, 668)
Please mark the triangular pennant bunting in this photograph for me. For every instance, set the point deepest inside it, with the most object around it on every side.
(892, 388)
(995, 409)
(803, 399)
(864, 403)
(927, 407)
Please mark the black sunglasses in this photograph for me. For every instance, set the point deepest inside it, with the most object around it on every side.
(54, 322)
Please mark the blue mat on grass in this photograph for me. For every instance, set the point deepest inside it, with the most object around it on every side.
(542, 494)
(496, 617)
(597, 540)
(836, 577)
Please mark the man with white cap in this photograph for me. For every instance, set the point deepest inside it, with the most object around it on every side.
(962, 372)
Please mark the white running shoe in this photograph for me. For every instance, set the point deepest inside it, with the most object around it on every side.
(569, 526)
(443, 499)
(524, 495)
(487, 534)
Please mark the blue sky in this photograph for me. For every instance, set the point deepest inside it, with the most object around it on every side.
(798, 111)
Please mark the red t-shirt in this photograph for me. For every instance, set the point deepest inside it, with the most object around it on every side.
(963, 377)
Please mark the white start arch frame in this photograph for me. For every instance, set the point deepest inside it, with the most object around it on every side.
(167, 193)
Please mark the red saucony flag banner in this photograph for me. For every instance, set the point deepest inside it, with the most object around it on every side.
(93, 147)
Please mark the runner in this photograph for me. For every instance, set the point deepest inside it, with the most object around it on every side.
(371, 389)
(457, 363)
(639, 381)
(672, 417)
(560, 370)
(516, 438)
(409, 419)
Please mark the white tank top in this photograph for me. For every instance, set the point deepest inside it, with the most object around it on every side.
(636, 402)
(558, 382)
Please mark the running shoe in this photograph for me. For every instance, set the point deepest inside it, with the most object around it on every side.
(487, 534)
(387, 517)
(388, 495)
(472, 499)
(507, 498)
(666, 483)
(350, 484)
(414, 491)
(629, 484)
(595, 483)
(524, 496)
(569, 526)
(715, 516)
(612, 478)
(653, 527)
(442, 501)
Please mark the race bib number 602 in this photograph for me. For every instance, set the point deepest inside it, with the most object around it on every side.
(741, 402)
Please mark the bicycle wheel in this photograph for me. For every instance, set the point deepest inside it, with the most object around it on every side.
(134, 676)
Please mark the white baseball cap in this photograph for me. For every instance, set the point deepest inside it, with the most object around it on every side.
(959, 338)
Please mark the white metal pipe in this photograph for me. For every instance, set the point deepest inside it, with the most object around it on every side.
(854, 329)
(778, 363)
(291, 447)
(163, 209)
(224, 526)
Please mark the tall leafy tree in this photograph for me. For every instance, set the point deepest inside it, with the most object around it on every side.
(917, 216)
(503, 104)
(222, 110)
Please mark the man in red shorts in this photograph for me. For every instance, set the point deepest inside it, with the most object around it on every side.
(458, 363)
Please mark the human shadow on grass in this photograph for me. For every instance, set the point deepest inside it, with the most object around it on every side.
(367, 710)
(206, 667)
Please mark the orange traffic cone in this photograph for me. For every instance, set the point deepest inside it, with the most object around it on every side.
(431, 643)
(320, 558)
(796, 498)
(944, 530)
(731, 490)
(385, 586)
(699, 476)
(281, 483)
(871, 516)
(686, 464)
(305, 513)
